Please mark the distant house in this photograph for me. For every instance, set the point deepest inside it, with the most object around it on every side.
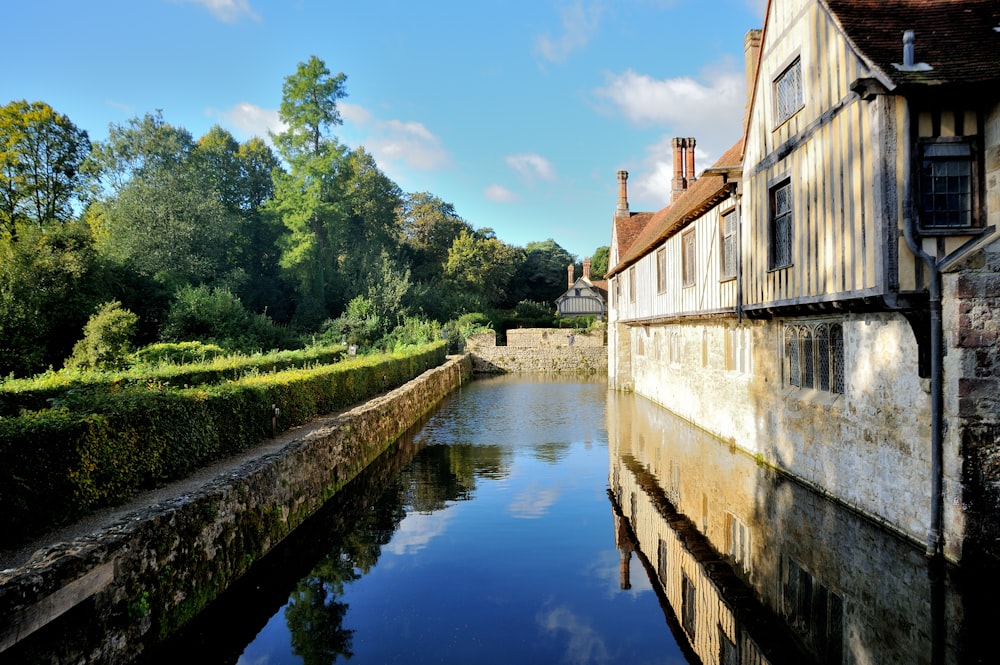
(583, 297)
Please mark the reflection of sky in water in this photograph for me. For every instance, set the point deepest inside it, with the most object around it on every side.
(520, 566)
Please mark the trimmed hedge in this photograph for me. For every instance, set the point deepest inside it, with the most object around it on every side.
(58, 464)
(69, 389)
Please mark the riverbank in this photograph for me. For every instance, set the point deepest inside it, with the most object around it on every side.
(130, 576)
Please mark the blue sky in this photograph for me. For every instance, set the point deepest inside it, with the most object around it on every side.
(519, 112)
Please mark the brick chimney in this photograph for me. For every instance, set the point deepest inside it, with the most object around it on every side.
(622, 209)
(586, 269)
(683, 166)
(569, 272)
(751, 57)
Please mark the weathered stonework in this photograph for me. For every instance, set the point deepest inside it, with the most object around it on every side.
(540, 350)
(103, 597)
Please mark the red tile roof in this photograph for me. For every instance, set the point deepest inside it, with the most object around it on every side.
(627, 229)
(704, 193)
(957, 38)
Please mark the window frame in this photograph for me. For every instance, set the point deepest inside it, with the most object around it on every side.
(631, 285)
(784, 219)
(812, 356)
(689, 258)
(727, 245)
(928, 219)
(661, 270)
(784, 110)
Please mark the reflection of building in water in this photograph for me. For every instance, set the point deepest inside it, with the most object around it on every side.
(760, 569)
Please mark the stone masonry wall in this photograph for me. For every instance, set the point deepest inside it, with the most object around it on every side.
(587, 355)
(141, 579)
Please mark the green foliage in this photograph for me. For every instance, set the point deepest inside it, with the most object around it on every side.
(413, 332)
(41, 152)
(536, 311)
(50, 282)
(217, 316)
(541, 276)
(57, 464)
(482, 265)
(599, 262)
(107, 339)
(176, 353)
(360, 325)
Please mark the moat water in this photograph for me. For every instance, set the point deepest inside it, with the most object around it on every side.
(539, 520)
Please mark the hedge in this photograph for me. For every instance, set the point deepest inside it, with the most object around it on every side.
(59, 464)
(68, 388)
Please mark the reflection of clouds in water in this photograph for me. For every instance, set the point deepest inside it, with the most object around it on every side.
(533, 502)
(418, 529)
(585, 644)
(607, 568)
(259, 660)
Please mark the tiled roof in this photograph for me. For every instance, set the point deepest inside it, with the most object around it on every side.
(957, 38)
(627, 229)
(705, 192)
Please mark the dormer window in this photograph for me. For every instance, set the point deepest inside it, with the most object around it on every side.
(947, 183)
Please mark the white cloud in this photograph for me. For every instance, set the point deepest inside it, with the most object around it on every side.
(417, 530)
(585, 644)
(395, 141)
(579, 23)
(500, 194)
(532, 166)
(681, 102)
(251, 120)
(228, 11)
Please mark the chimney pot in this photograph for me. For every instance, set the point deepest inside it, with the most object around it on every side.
(909, 38)
(569, 273)
(622, 210)
(586, 268)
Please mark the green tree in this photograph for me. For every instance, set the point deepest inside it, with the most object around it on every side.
(41, 153)
(371, 227)
(107, 339)
(169, 226)
(140, 147)
(541, 277)
(599, 262)
(50, 281)
(429, 226)
(483, 265)
(308, 199)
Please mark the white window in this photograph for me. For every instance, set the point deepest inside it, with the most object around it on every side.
(788, 91)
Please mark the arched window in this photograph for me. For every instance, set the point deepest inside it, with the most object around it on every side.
(837, 358)
(808, 366)
(822, 357)
(792, 356)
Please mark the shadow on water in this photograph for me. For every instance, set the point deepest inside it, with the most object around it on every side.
(314, 561)
(757, 568)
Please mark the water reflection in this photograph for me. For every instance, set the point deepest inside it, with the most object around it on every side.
(756, 568)
(488, 539)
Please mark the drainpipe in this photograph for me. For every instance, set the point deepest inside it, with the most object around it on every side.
(935, 537)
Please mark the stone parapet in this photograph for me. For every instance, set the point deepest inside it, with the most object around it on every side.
(575, 359)
(138, 580)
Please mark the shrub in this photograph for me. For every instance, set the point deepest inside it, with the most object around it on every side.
(217, 316)
(107, 339)
(177, 353)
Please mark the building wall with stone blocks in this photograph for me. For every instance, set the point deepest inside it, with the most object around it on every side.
(553, 337)
(731, 379)
(537, 350)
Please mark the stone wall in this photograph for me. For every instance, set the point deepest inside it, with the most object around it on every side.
(551, 352)
(102, 598)
(840, 443)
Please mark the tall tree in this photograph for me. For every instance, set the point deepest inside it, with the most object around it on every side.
(541, 277)
(429, 227)
(139, 147)
(599, 262)
(483, 265)
(308, 198)
(41, 152)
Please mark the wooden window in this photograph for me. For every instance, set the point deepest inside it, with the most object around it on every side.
(788, 91)
(780, 226)
(948, 184)
(727, 249)
(661, 270)
(688, 258)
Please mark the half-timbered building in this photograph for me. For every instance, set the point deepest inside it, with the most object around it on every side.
(852, 340)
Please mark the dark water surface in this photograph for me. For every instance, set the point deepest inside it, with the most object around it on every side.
(538, 520)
